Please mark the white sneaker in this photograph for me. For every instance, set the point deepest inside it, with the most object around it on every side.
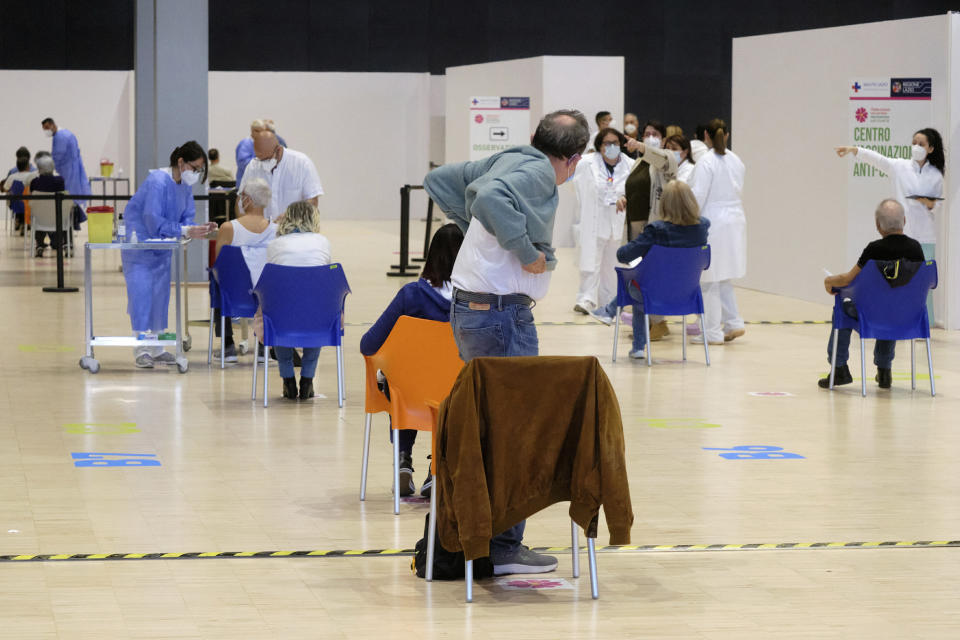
(639, 354)
(165, 357)
(144, 361)
(699, 340)
(584, 307)
(600, 316)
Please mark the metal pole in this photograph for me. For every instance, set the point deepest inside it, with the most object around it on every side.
(60, 288)
(404, 232)
(426, 234)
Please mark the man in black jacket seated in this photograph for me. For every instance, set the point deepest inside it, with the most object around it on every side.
(892, 245)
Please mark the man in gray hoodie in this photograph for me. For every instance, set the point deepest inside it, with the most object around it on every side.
(505, 205)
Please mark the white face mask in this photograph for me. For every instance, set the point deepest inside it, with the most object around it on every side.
(652, 141)
(630, 128)
(611, 151)
(48, 133)
(679, 156)
(918, 153)
(612, 124)
(189, 177)
(265, 166)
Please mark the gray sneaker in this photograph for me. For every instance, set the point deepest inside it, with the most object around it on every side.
(600, 316)
(144, 361)
(524, 561)
(165, 358)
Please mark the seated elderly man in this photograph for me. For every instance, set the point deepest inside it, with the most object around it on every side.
(892, 245)
(46, 182)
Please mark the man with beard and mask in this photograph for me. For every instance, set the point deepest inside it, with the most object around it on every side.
(291, 175)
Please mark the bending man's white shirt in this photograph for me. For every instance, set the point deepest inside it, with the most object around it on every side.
(484, 266)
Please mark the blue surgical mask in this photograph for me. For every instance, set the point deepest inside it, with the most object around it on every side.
(679, 156)
(611, 151)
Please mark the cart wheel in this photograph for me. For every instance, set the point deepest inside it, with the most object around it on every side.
(187, 343)
(90, 364)
(182, 365)
(242, 347)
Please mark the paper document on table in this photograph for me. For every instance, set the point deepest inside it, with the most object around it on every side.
(634, 263)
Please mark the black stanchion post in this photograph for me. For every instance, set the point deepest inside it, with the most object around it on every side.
(58, 209)
(402, 268)
(426, 235)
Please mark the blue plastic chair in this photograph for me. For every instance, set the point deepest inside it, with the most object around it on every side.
(669, 283)
(231, 289)
(302, 307)
(886, 313)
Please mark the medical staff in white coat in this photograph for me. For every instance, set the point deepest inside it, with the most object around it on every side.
(917, 183)
(717, 183)
(599, 181)
(680, 146)
(161, 208)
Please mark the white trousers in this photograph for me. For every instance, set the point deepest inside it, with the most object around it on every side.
(599, 286)
(719, 310)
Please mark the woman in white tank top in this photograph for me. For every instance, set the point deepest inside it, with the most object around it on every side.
(252, 232)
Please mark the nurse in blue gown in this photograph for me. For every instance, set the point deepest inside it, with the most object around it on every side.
(161, 208)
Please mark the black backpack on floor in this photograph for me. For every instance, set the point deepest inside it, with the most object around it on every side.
(447, 565)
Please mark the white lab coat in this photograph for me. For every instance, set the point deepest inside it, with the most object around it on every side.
(697, 149)
(685, 170)
(599, 218)
(717, 183)
(910, 179)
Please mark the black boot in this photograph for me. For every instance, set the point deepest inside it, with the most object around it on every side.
(840, 376)
(306, 388)
(884, 378)
(290, 388)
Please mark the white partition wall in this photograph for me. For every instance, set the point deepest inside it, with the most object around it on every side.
(97, 106)
(367, 133)
(791, 106)
(589, 84)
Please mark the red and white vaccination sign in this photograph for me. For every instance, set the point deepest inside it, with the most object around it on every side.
(498, 123)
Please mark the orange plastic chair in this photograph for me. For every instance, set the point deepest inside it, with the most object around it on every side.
(421, 362)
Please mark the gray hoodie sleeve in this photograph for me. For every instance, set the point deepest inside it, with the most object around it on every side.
(495, 206)
(447, 187)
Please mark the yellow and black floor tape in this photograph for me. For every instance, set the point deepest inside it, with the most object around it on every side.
(389, 553)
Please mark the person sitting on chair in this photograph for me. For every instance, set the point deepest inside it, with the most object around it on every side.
(680, 226)
(299, 243)
(47, 182)
(427, 298)
(892, 245)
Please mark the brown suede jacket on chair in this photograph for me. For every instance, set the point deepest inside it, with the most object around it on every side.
(516, 435)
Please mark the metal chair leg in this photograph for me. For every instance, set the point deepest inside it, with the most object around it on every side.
(913, 365)
(366, 457)
(703, 332)
(223, 340)
(616, 332)
(340, 393)
(396, 472)
(256, 364)
(933, 388)
(469, 580)
(683, 335)
(646, 332)
(863, 368)
(592, 557)
(833, 358)
(432, 531)
(210, 341)
(266, 373)
(575, 548)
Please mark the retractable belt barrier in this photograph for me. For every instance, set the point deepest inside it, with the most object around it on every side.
(59, 197)
(404, 269)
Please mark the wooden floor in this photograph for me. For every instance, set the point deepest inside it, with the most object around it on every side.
(234, 476)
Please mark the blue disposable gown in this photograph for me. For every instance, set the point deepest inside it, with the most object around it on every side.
(158, 209)
(69, 164)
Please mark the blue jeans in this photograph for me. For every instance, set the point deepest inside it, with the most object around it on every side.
(308, 365)
(502, 331)
(883, 350)
(639, 335)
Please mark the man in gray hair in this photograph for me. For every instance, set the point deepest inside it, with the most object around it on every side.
(892, 245)
(46, 182)
(506, 205)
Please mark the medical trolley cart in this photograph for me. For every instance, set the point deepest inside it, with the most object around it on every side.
(88, 361)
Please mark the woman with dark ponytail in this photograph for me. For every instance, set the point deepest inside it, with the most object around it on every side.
(161, 208)
(717, 182)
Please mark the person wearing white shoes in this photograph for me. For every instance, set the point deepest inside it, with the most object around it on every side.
(717, 182)
(599, 182)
